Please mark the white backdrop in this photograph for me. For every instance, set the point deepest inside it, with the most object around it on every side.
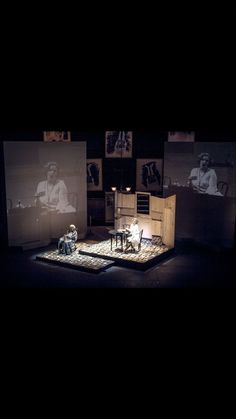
(25, 163)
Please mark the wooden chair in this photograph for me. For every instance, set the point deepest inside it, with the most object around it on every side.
(140, 240)
(223, 187)
(129, 244)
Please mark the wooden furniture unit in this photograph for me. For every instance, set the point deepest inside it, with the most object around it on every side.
(156, 215)
(124, 209)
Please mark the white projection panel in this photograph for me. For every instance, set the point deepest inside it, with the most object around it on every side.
(46, 191)
(203, 178)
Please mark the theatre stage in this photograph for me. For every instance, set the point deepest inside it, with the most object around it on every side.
(97, 257)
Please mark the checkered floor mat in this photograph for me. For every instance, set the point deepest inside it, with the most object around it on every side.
(76, 260)
(147, 252)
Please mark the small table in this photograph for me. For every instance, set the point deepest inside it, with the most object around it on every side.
(118, 233)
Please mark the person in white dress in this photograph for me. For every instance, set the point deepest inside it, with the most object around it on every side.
(52, 193)
(133, 238)
(203, 179)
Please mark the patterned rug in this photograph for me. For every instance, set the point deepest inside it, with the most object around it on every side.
(149, 253)
(94, 256)
(76, 260)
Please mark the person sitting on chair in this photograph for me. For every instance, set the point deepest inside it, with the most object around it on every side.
(66, 243)
(51, 193)
(203, 179)
(133, 237)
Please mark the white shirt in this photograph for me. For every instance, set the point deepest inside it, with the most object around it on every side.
(204, 181)
(54, 196)
(134, 238)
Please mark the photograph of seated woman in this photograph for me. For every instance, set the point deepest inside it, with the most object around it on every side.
(203, 179)
(133, 238)
(66, 243)
(52, 193)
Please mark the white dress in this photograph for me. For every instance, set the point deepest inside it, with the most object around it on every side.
(204, 182)
(54, 197)
(134, 239)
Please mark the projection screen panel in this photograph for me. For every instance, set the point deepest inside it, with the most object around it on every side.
(45, 191)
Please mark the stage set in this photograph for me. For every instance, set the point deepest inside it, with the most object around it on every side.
(155, 222)
(98, 257)
(46, 187)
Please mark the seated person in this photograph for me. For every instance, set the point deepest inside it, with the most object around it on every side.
(66, 243)
(51, 193)
(133, 237)
(203, 179)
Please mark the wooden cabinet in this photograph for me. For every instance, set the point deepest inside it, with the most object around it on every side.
(124, 209)
(156, 216)
(125, 200)
(157, 229)
(168, 236)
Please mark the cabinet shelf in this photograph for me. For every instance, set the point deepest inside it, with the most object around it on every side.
(121, 208)
(143, 204)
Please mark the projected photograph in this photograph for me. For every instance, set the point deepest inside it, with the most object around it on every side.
(50, 136)
(149, 175)
(204, 168)
(45, 189)
(181, 136)
(94, 175)
(118, 144)
(203, 178)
